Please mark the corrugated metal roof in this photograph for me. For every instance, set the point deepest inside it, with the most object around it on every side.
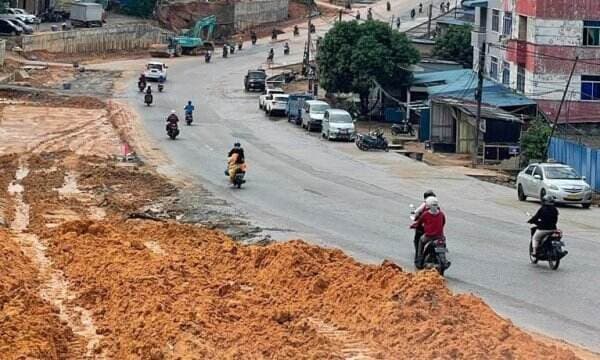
(463, 83)
(487, 111)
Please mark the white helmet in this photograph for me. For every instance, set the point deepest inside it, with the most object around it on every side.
(173, 112)
(432, 204)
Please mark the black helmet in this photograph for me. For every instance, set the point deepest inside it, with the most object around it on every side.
(428, 193)
(237, 144)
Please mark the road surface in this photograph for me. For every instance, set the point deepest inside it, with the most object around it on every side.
(332, 194)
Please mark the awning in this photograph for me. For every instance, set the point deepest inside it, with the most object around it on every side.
(475, 3)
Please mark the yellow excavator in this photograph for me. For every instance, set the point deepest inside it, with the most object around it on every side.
(191, 42)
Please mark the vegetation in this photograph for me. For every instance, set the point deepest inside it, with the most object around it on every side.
(455, 45)
(352, 55)
(535, 139)
(141, 8)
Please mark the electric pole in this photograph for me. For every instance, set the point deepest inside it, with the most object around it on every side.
(310, 75)
(562, 101)
(479, 98)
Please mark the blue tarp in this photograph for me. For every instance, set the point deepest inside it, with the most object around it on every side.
(581, 158)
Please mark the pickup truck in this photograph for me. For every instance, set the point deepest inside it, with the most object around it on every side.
(268, 93)
(255, 80)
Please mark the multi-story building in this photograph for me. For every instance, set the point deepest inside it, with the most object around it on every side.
(531, 46)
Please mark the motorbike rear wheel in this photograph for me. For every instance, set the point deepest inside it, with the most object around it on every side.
(441, 263)
(554, 260)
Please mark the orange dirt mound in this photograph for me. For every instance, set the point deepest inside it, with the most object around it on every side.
(164, 290)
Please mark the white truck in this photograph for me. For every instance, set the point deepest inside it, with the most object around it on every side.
(86, 14)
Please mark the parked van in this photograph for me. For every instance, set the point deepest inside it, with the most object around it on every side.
(312, 114)
(294, 107)
(338, 124)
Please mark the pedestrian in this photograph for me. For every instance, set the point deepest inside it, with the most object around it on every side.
(357, 15)
(413, 13)
(370, 14)
(442, 6)
(420, 8)
(398, 23)
(448, 6)
(388, 6)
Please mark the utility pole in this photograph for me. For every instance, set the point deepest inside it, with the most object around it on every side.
(562, 101)
(479, 97)
(310, 85)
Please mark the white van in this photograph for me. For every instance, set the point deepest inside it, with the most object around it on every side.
(338, 124)
(312, 114)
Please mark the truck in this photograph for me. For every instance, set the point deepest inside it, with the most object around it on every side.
(85, 14)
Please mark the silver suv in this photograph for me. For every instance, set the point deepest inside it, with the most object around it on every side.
(558, 180)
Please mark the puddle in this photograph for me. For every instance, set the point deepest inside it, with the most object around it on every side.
(55, 288)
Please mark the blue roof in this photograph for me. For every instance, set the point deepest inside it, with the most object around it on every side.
(475, 3)
(462, 84)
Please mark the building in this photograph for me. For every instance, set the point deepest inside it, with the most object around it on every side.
(531, 46)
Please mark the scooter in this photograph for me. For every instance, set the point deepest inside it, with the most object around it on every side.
(551, 248)
(189, 118)
(434, 251)
(372, 140)
(296, 30)
(254, 40)
(161, 87)
(172, 130)
(141, 86)
(207, 57)
(238, 179)
(286, 50)
(225, 51)
(148, 99)
(231, 49)
(404, 127)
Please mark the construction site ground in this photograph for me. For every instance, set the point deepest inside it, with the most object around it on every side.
(103, 257)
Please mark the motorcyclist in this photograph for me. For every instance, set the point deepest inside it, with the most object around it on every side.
(388, 6)
(236, 161)
(142, 79)
(296, 30)
(398, 22)
(357, 15)
(286, 48)
(274, 34)
(271, 55)
(172, 119)
(370, 14)
(253, 37)
(149, 90)
(432, 220)
(189, 108)
(545, 220)
(225, 50)
(417, 214)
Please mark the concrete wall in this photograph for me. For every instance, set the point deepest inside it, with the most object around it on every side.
(2, 52)
(248, 13)
(97, 40)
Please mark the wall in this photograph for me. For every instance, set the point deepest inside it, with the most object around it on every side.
(2, 52)
(583, 159)
(249, 13)
(97, 40)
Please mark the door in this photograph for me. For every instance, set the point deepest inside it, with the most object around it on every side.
(527, 179)
(325, 123)
(4, 27)
(537, 183)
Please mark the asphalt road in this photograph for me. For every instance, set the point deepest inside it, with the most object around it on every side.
(300, 186)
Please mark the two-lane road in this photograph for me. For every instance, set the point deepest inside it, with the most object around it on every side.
(301, 186)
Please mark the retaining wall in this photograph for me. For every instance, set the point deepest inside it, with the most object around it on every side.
(249, 13)
(96, 40)
(2, 52)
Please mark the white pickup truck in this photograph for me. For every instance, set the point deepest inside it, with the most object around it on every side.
(269, 92)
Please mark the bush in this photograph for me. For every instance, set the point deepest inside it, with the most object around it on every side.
(535, 139)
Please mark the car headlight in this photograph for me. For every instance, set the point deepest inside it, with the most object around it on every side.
(553, 187)
(586, 187)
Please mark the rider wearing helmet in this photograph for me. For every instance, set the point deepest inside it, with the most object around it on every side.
(545, 220)
(172, 119)
(236, 161)
(432, 221)
(417, 214)
(189, 108)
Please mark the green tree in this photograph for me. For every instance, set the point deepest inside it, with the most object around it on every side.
(352, 55)
(141, 8)
(455, 45)
(535, 139)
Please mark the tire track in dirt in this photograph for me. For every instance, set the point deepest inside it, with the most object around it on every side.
(55, 287)
(352, 347)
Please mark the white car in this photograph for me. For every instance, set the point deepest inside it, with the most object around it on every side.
(268, 92)
(312, 114)
(23, 15)
(156, 69)
(277, 104)
(338, 124)
(558, 180)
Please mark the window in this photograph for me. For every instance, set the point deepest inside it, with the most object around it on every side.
(521, 78)
(506, 73)
(495, 20)
(507, 25)
(494, 68)
(591, 33)
(590, 87)
(529, 170)
(538, 171)
(522, 28)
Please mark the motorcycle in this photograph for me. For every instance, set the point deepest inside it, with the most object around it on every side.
(238, 179)
(274, 35)
(286, 50)
(189, 118)
(231, 49)
(296, 31)
(434, 251)
(253, 40)
(551, 249)
(141, 86)
(225, 51)
(404, 127)
(172, 130)
(240, 44)
(207, 57)
(161, 87)
(372, 140)
(148, 99)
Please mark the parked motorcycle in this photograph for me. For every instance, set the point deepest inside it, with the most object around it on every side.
(434, 251)
(372, 140)
(551, 249)
(172, 130)
(189, 118)
(148, 99)
(404, 127)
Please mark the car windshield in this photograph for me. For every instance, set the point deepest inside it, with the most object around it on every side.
(256, 75)
(154, 66)
(561, 173)
(340, 118)
(281, 98)
(319, 109)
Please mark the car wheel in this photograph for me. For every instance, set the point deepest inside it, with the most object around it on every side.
(542, 194)
(328, 136)
(520, 193)
(586, 206)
